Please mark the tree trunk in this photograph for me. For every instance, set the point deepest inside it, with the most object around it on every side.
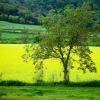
(66, 75)
(65, 65)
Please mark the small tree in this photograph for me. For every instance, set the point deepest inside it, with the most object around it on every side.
(65, 36)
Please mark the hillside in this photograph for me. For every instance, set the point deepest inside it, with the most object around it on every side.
(29, 11)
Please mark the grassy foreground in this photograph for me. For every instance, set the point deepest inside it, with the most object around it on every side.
(49, 93)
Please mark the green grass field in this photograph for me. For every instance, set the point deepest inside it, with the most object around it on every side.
(16, 33)
(8, 25)
(49, 93)
(21, 33)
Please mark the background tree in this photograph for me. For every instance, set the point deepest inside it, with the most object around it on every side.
(65, 36)
(32, 10)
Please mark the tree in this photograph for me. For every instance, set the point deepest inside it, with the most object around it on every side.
(65, 36)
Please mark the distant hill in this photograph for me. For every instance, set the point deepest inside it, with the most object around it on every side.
(29, 11)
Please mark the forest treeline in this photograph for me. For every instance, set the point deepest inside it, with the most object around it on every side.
(29, 11)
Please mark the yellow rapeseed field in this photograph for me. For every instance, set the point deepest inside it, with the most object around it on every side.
(13, 67)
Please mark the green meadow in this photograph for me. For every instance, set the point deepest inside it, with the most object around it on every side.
(18, 33)
(49, 93)
(9, 25)
(11, 33)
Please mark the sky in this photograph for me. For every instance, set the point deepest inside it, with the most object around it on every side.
(13, 67)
